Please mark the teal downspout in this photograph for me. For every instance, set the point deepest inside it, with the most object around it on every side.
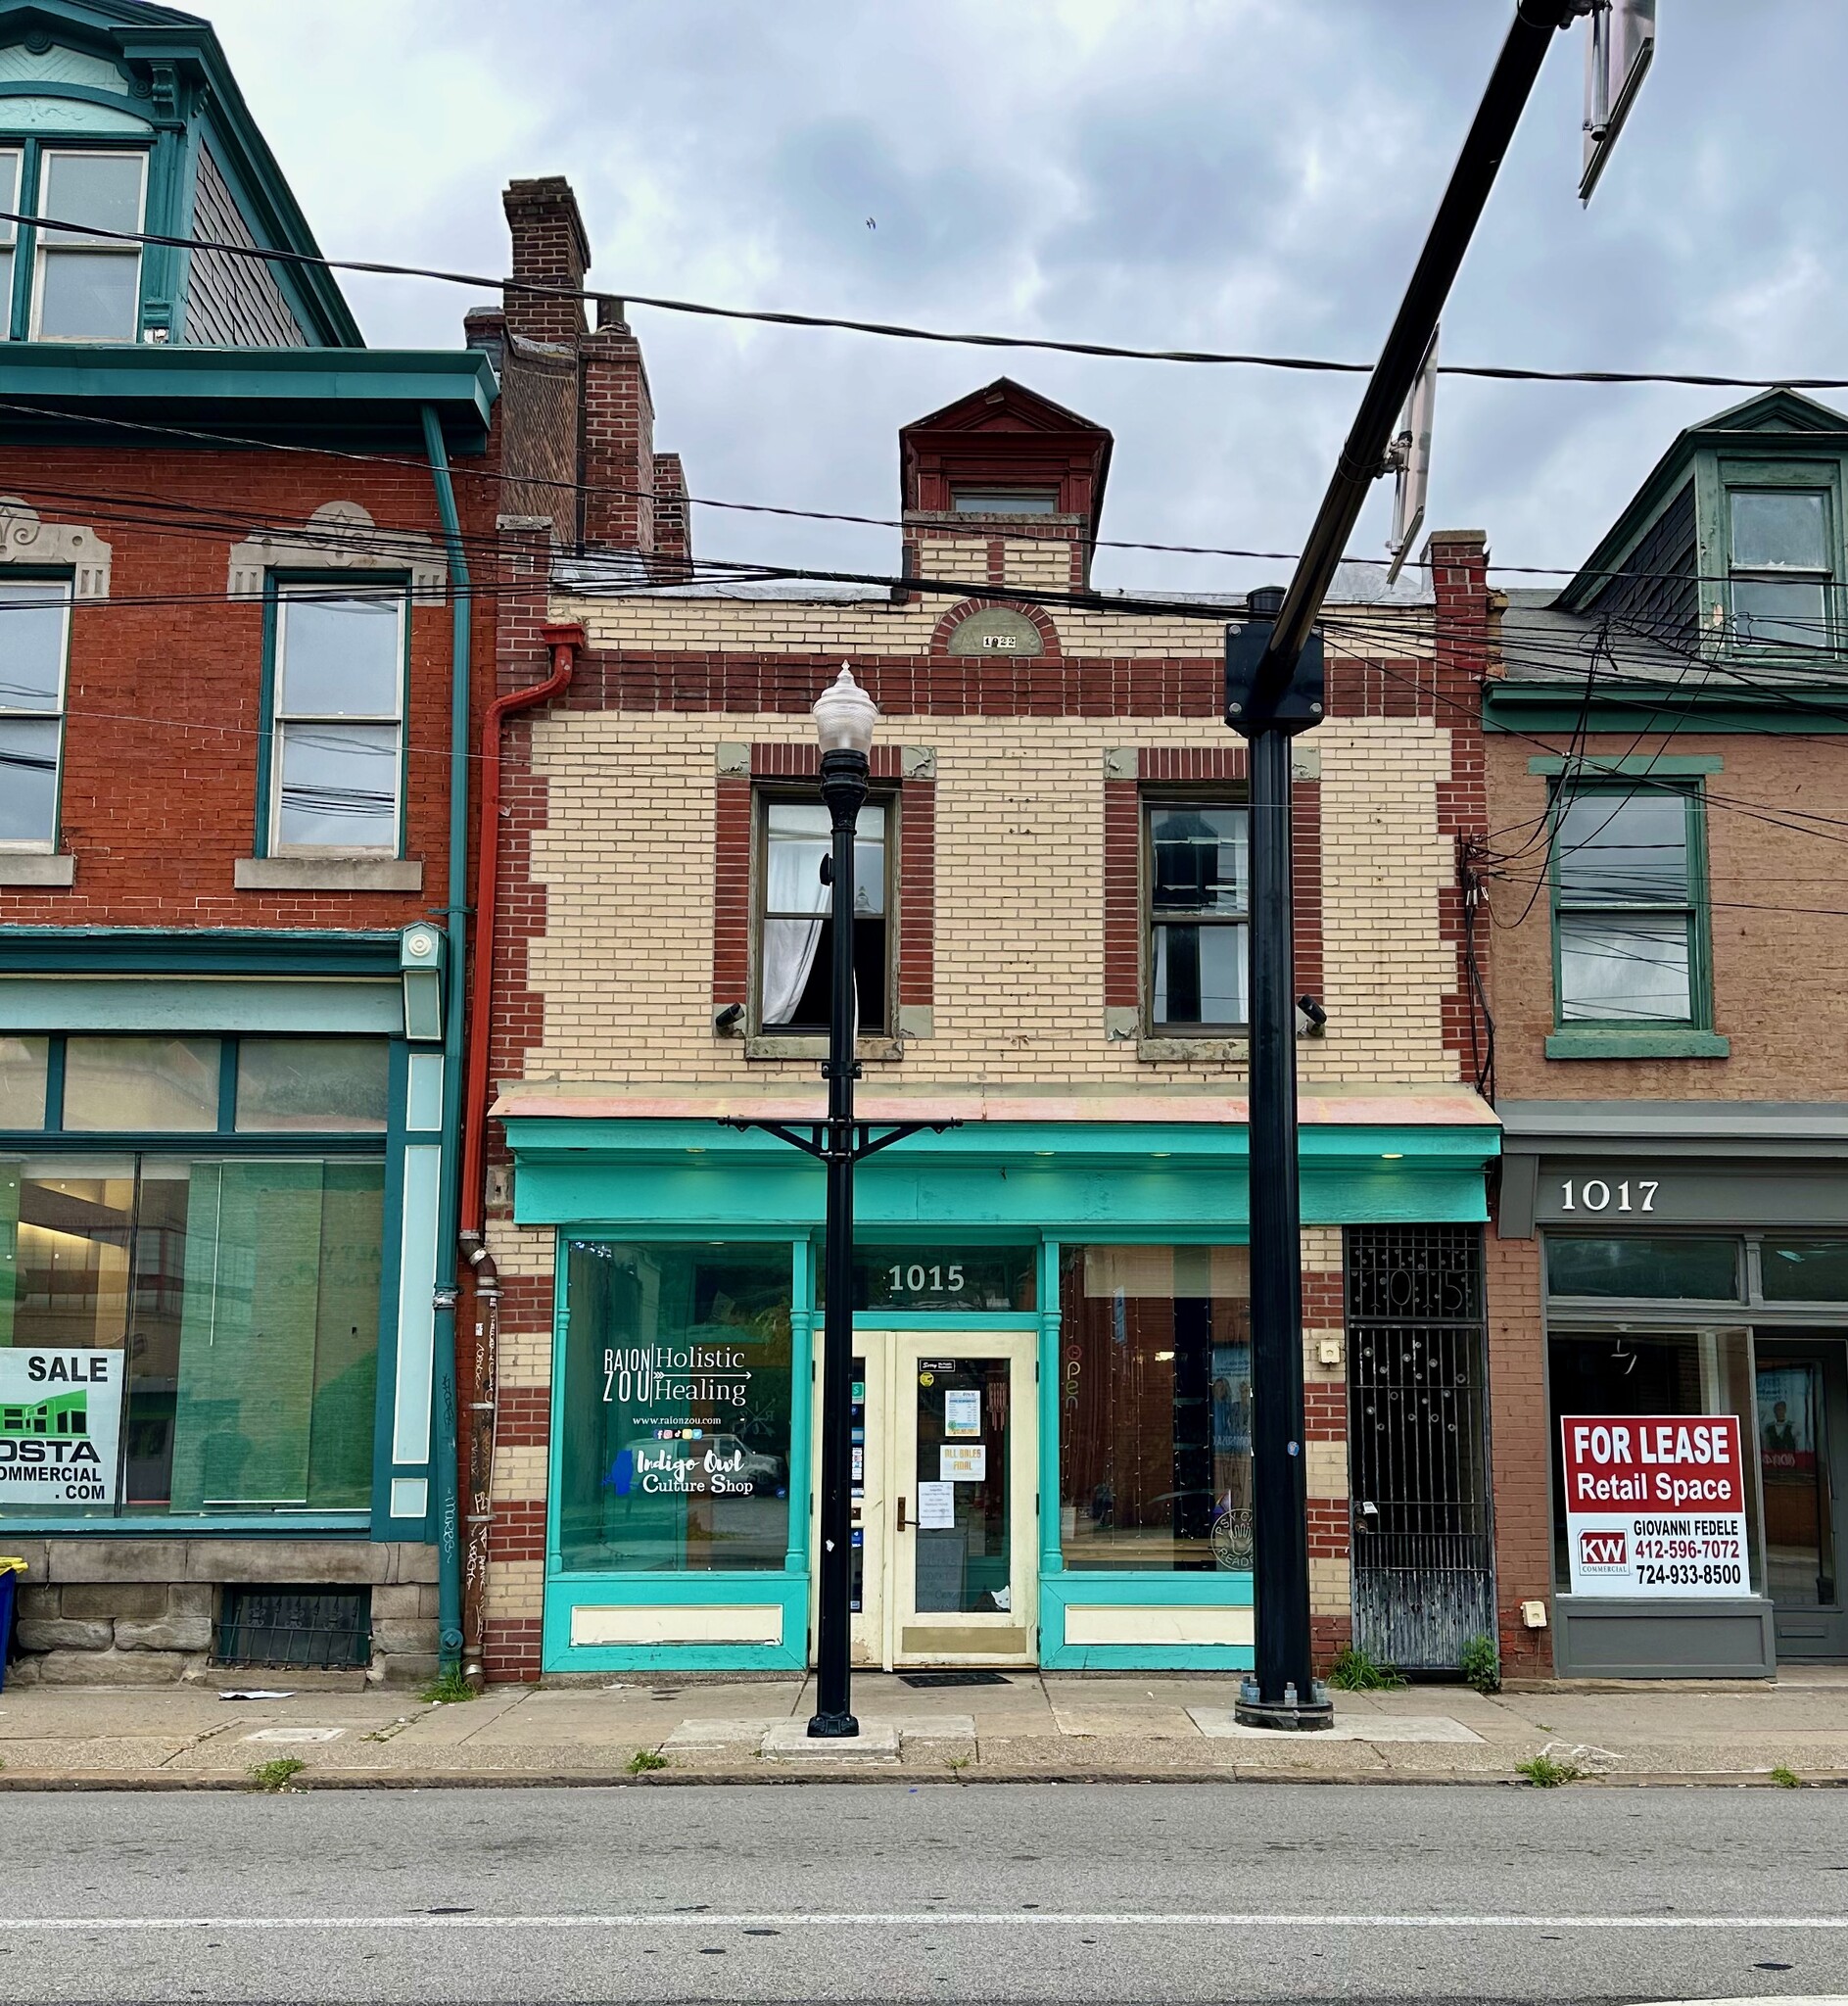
(448, 1193)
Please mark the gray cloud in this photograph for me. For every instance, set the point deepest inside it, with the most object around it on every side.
(1243, 173)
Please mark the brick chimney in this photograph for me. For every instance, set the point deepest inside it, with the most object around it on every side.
(550, 248)
(672, 524)
(617, 422)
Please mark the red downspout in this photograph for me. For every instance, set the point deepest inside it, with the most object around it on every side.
(479, 1446)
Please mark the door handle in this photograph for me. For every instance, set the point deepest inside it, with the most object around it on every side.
(900, 1525)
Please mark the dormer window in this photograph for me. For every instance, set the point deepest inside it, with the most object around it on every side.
(1005, 500)
(1780, 570)
(81, 284)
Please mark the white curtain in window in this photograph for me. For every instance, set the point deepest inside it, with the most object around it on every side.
(794, 887)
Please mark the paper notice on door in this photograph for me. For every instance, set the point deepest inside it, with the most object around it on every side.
(936, 1508)
(963, 1462)
(962, 1412)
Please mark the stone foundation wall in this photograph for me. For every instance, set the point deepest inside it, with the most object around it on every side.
(144, 1613)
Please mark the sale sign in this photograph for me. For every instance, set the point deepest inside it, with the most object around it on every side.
(1655, 1505)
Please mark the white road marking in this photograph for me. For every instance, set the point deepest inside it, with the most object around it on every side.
(935, 1919)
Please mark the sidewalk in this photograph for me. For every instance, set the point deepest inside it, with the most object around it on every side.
(1039, 1727)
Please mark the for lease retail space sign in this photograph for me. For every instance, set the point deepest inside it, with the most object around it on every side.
(59, 1423)
(1655, 1504)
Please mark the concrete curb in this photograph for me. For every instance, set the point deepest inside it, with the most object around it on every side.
(73, 1781)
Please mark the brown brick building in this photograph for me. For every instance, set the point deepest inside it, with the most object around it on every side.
(1666, 779)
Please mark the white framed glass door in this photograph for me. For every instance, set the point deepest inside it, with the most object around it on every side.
(945, 1487)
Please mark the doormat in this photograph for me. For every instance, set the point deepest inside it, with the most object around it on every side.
(951, 1679)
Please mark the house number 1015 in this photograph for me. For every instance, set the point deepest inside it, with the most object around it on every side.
(1592, 1194)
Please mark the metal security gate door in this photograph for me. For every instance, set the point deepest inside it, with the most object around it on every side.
(1418, 1443)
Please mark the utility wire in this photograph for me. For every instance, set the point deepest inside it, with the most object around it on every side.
(899, 331)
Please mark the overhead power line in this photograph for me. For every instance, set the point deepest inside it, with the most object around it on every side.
(901, 331)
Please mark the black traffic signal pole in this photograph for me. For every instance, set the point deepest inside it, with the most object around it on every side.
(1268, 701)
(839, 1142)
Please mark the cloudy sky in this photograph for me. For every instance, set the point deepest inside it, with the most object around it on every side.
(1253, 174)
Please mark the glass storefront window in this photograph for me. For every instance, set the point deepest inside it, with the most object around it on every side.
(243, 1298)
(940, 1277)
(1650, 1373)
(1805, 1271)
(674, 1407)
(1672, 1269)
(159, 1086)
(23, 1068)
(293, 1085)
(1154, 1446)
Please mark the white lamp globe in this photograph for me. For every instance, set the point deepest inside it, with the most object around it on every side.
(844, 716)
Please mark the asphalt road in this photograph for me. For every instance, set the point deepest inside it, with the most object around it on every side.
(886, 1892)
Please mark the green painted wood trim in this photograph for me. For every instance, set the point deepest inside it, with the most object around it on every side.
(1682, 767)
(197, 950)
(168, 1003)
(564, 1592)
(391, 1252)
(369, 386)
(1051, 1415)
(1599, 1042)
(1728, 712)
(946, 1320)
(1136, 1590)
(1086, 1183)
(194, 1526)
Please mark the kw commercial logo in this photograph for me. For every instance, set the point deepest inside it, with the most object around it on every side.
(1603, 1551)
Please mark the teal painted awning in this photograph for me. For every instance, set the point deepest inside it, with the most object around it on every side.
(1094, 1177)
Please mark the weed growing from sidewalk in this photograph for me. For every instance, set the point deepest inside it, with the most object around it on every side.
(643, 1760)
(449, 1690)
(276, 1774)
(1544, 1774)
(1480, 1664)
(1356, 1671)
(1786, 1778)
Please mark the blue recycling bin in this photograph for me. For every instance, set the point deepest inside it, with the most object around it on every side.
(10, 1572)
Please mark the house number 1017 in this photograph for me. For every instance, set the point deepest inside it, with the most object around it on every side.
(1594, 1194)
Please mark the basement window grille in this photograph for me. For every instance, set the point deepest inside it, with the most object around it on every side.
(295, 1629)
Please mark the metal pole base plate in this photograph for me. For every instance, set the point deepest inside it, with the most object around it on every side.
(1290, 1715)
(833, 1727)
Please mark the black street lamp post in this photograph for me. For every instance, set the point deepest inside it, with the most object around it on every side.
(844, 716)
(1273, 690)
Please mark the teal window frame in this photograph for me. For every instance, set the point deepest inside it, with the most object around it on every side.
(1728, 477)
(277, 584)
(33, 575)
(1689, 1036)
(229, 1143)
(22, 309)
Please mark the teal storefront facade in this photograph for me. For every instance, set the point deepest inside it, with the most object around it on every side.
(1052, 1378)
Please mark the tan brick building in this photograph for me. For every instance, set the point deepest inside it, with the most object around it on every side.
(1666, 783)
(1052, 1451)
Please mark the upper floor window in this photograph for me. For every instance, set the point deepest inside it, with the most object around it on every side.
(1198, 888)
(81, 283)
(1005, 500)
(795, 923)
(338, 706)
(35, 634)
(1629, 911)
(1781, 565)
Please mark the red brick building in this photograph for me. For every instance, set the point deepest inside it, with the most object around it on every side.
(238, 632)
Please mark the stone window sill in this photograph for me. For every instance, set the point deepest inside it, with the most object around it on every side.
(879, 1049)
(1655, 1042)
(1193, 1051)
(49, 873)
(328, 874)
